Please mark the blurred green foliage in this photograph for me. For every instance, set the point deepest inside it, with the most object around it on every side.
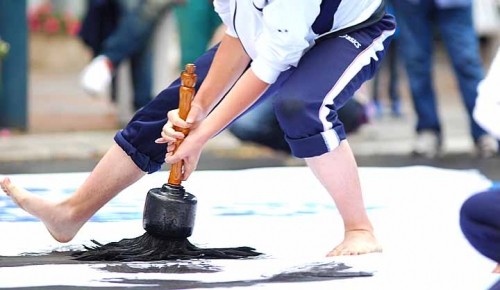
(4, 49)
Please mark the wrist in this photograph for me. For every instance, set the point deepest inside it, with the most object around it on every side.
(201, 108)
(201, 134)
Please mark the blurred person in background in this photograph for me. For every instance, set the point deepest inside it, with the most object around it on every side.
(260, 125)
(480, 214)
(118, 30)
(480, 223)
(417, 20)
(390, 64)
(487, 109)
(197, 23)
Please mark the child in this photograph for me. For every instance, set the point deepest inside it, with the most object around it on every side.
(310, 55)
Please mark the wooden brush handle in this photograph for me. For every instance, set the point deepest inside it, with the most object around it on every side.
(186, 94)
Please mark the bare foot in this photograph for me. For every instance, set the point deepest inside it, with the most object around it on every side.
(55, 216)
(497, 269)
(356, 242)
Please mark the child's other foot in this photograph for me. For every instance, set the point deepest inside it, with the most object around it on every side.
(497, 269)
(356, 242)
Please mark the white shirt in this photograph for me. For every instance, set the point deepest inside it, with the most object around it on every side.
(487, 109)
(277, 33)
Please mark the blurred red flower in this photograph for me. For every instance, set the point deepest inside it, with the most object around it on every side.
(42, 18)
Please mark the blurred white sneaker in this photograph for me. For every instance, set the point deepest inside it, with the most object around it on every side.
(96, 77)
(487, 146)
(427, 144)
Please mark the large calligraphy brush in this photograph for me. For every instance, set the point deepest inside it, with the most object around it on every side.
(169, 214)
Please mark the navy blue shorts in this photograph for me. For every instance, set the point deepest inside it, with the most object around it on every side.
(305, 98)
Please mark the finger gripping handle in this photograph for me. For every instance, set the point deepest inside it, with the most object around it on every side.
(186, 94)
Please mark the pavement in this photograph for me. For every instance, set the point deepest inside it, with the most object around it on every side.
(66, 126)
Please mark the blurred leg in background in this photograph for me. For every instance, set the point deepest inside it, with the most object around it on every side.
(260, 125)
(197, 23)
(117, 31)
(390, 65)
(418, 23)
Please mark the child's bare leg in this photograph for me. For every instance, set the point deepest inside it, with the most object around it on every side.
(497, 269)
(64, 219)
(337, 171)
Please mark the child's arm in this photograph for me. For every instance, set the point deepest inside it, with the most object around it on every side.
(224, 71)
(244, 93)
(229, 63)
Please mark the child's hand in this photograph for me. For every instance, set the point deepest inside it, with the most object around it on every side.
(169, 134)
(188, 152)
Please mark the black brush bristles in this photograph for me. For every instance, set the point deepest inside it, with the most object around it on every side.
(150, 248)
